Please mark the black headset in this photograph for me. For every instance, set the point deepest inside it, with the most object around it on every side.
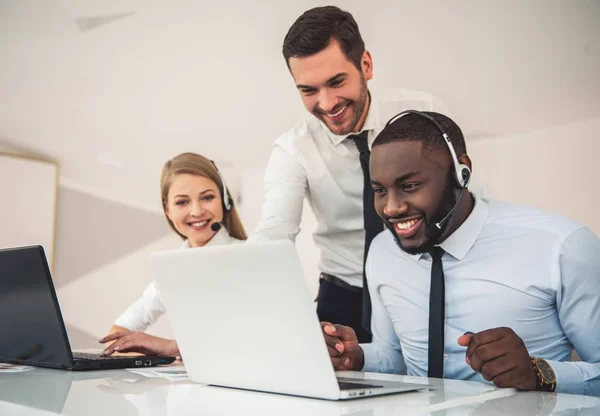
(462, 173)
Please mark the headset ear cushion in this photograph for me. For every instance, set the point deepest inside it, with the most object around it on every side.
(465, 176)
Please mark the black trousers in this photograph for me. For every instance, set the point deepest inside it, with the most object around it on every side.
(340, 303)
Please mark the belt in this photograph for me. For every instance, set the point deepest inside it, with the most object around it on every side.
(339, 282)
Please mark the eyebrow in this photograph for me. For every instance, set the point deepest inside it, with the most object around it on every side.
(401, 178)
(329, 81)
(201, 193)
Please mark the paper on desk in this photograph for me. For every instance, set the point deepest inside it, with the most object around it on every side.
(14, 368)
(168, 373)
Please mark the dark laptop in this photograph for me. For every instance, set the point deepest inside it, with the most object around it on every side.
(32, 331)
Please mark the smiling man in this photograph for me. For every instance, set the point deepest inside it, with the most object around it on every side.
(468, 288)
(324, 158)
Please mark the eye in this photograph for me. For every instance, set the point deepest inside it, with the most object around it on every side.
(337, 83)
(379, 191)
(408, 187)
(208, 198)
(308, 91)
(181, 202)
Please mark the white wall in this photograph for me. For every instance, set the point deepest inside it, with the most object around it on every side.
(555, 169)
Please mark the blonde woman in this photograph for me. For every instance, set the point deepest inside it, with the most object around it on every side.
(199, 208)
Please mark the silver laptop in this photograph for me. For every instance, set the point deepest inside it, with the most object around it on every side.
(243, 318)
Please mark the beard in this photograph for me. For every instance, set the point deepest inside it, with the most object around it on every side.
(359, 106)
(446, 204)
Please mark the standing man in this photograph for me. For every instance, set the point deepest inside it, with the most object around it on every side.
(325, 158)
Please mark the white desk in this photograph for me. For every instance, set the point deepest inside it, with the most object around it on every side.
(122, 393)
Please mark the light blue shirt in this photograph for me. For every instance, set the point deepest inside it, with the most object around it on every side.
(505, 266)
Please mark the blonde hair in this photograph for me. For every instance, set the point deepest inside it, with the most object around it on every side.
(195, 164)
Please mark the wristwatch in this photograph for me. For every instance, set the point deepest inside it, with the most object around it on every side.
(546, 379)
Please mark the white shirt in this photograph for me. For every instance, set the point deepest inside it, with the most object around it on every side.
(505, 266)
(310, 161)
(149, 307)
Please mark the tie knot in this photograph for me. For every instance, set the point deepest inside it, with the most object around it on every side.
(436, 253)
(360, 140)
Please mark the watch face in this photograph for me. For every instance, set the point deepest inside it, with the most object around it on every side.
(546, 371)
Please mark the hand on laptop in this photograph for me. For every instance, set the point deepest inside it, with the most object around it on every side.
(127, 341)
(343, 347)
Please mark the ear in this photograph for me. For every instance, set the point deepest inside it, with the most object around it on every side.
(366, 64)
(466, 160)
(166, 209)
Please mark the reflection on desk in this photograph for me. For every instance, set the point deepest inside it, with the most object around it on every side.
(120, 392)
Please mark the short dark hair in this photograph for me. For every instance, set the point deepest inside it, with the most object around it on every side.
(413, 127)
(313, 31)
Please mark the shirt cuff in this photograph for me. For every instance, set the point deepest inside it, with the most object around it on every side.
(569, 378)
(370, 356)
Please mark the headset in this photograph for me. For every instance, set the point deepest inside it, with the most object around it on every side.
(227, 201)
(462, 173)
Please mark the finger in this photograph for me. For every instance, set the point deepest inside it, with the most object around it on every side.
(117, 345)
(333, 352)
(345, 333)
(488, 352)
(465, 339)
(498, 366)
(484, 337)
(113, 336)
(332, 337)
(506, 379)
(339, 363)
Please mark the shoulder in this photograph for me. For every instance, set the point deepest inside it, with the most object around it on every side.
(303, 131)
(529, 220)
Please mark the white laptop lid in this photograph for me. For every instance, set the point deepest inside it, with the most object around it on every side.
(243, 317)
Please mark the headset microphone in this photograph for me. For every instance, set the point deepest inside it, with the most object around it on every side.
(216, 226)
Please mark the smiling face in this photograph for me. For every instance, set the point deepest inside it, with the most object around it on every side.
(193, 204)
(333, 89)
(412, 190)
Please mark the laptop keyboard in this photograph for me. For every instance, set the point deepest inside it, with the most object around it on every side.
(344, 385)
(95, 357)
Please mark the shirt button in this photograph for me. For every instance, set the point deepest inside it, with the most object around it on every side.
(445, 356)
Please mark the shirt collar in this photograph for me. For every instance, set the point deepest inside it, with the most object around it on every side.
(220, 238)
(372, 122)
(463, 238)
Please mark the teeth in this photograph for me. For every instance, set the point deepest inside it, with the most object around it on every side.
(198, 224)
(338, 113)
(406, 225)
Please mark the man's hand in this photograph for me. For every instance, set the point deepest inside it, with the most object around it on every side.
(128, 341)
(343, 347)
(501, 357)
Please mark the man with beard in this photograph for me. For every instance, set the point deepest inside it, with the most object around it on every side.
(468, 288)
(324, 158)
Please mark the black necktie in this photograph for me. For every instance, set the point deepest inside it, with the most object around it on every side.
(437, 301)
(372, 223)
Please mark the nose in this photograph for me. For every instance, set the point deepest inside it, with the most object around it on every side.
(197, 209)
(327, 100)
(394, 206)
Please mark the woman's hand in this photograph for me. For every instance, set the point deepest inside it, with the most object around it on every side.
(127, 341)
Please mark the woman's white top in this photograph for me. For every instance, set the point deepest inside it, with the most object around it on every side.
(149, 307)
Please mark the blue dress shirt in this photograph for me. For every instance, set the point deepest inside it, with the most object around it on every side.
(505, 266)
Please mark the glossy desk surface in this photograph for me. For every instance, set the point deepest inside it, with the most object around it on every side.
(121, 392)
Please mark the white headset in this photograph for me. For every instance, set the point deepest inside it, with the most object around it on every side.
(462, 173)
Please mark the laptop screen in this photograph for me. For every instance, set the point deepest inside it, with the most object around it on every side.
(31, 327)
